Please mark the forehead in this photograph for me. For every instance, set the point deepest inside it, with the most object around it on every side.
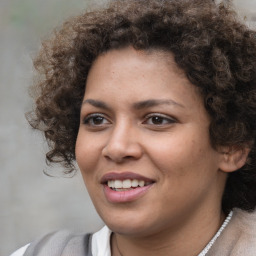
(126, 76)
(126, 63)
(158, 55)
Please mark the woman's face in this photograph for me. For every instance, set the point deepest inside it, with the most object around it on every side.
(143, 144)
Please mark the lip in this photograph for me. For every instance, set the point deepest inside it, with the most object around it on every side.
(124, 196)
(123, 176)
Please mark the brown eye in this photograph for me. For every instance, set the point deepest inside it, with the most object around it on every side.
(158, 119)
(95, 120)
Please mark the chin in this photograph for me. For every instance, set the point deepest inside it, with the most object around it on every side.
(131, 224)
(124, 221)
(129, 230)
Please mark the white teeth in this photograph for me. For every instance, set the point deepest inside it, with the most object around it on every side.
(111, 183)
(118, 184)
(128, 183)
(141, 183)
(135, 183)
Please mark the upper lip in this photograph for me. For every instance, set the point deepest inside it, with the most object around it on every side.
(123, 176)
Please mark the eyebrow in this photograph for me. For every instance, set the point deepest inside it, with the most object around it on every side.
(138, 105)
(96, 103)
(155, 102)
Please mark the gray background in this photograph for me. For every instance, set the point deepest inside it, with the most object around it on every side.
(30, 202)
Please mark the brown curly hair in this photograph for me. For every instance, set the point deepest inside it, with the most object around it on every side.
(214, 48)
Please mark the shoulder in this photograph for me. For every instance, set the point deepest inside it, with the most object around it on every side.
(57, 243)
(246, 221)
(239, 237)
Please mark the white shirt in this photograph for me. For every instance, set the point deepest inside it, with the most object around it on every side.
(21, 251)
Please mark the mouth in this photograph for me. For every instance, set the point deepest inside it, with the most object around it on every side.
(125, 187)
(127, 184)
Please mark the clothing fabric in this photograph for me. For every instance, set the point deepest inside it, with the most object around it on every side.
(237, 239)
(61, 243)
(21, 251)
(101, 242)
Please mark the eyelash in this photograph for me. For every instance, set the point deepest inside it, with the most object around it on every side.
(89, 119)
(166, 119)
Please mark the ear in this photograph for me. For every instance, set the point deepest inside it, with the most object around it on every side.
(233, 158)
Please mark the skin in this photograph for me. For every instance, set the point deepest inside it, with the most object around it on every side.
(167, 142)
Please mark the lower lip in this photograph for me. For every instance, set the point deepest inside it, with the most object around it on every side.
(125, 196)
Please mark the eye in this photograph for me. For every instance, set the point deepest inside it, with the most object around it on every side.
(96, 120)
(158, 119)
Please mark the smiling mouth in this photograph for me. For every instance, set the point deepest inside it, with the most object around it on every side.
(127, 184)
(124, 187)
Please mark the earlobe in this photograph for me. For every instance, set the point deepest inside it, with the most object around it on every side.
(233, 158)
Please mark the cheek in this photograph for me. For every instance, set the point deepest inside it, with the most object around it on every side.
(181, 153)
(87, 162)
(86, 153)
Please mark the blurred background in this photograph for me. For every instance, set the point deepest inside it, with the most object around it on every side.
(32, 203)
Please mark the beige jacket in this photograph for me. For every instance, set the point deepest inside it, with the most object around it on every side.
(238, 238)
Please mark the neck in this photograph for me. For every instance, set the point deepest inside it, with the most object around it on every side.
(189, 239)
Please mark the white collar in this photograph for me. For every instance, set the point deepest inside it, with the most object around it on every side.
(101, 242)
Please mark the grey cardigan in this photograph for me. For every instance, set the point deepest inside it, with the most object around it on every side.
(61, 243)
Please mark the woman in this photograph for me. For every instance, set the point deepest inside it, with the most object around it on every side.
(156, 102)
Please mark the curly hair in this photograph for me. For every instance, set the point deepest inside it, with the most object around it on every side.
(210, 44)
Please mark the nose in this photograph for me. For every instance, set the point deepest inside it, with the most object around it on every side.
(123, 144)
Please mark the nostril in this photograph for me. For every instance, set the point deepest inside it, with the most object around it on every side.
(129, 157)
